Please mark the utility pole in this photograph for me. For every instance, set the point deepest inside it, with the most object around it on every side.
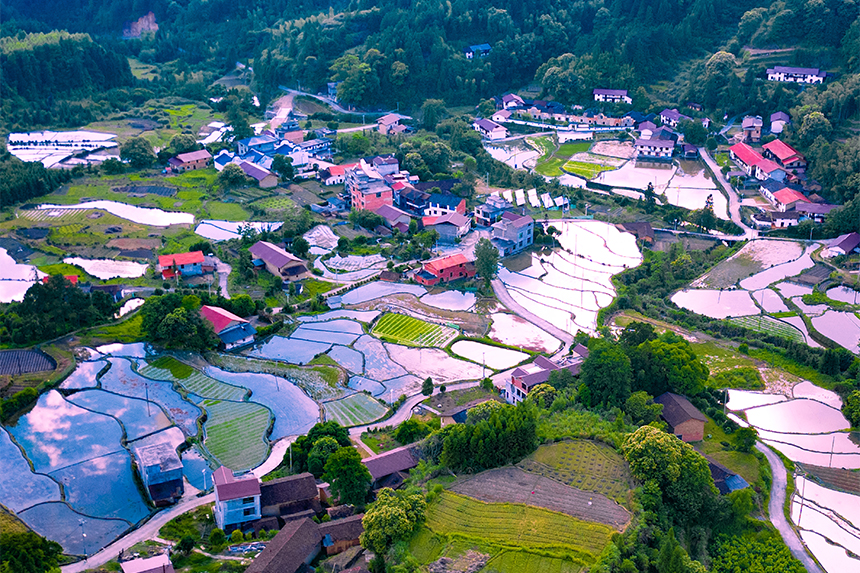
(146, 389)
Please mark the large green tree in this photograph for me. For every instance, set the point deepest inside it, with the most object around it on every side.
(668, 364)
(320, 453)
(138, 152)
(28, 553)
(349, 478)
(606, 375)
(486, 260)
(394, 516)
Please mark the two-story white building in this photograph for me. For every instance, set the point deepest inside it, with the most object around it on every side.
(490, 129)
(237, 499)
(612, 96)
(655, 148)
(796, 75)
(513, 233)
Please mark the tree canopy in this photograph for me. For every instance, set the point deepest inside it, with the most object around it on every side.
(349, 478)
(394, 516)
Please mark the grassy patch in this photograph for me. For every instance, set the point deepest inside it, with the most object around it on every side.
(381, 441)
(323, 360)
(551, 167)
(785, 363)
(743, 378)
(585, 465)
(449, 400)
(226, 211)
(405, 329)
(718, 358)
(355, 410)
(9, 523)
(127, 331)
(193, 523)
(585, 169)
(572, 148)
(312, 287)
(769, 325)
(746, 465)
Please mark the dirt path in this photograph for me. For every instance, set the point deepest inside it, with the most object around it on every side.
(734, 200)
(506, 299)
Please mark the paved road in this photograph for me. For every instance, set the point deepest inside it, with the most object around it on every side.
(775, 509)
(505, 298)
(223, 270)
(734, 200)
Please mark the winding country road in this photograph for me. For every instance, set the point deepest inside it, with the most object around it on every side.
(505, 298)
(734, 200)
(775, 510)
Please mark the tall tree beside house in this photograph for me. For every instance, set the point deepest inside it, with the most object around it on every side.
(320, 453)
(232, 176)
(283, 166)
(349, 478)
(393, 517)
(486, 260)
(138, 152)
(606, 375)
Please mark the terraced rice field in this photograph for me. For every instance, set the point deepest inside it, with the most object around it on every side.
(583, 464)
(276, 204)
(770, 326)
(169, 368)
(408, 330)
(584, 169)
(235, 433)
(517, 526)
(524, 562)
(354, 410)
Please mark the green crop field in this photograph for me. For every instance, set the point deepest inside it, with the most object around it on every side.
(354, 410)
(572, 148)
(585, 169)
(408, 330)
(770, 326)
(520, 528)
(522, 561)
(551, 167)
(276, 204)
(226, 211)
(235, 433)
(585, 465)
(249, 194)
(194, 381)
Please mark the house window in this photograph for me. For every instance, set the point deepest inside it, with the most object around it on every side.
(247, 500)
(249, 511)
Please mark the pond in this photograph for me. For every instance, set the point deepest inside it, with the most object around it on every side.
(843, 294)
(134, 350)
(515, 331)
(840, 327)
(20, 488)
(56, 433)
(289, 350)
(142, 215)
(378, 289)
(493, 356)
(512, 156)
(359, 315)
(769, 300)
(361, 384)
(104, 487)
(106, 269)
(350, 359)
(450, 300)
(226, 230)
(294, 412)
(138, 417)
(743, 399)
(797, 416)
(121, 379)
(84, 375)
(715, 303)
(810, 390)
(780, 272)
(57, 522)
(15, 279)
(798, 323)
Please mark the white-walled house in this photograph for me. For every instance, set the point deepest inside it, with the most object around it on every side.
(796, 75)
(237, 500)
(490, 129)
(612, 96)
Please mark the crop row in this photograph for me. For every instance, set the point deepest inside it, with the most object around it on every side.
(409, 329)
(769, 325)
(235, 433)
(196, 382)
(355, 410)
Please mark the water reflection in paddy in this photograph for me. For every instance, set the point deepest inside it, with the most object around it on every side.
(20, 488)
(715, 303)
(797, 416)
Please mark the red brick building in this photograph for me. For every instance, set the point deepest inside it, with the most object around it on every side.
(446, 269)
(188, 161)
(684, 419)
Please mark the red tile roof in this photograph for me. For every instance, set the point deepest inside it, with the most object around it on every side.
(339, 169)
(781, 150)
(180, 259)
(71, 278)
(768, 166)
(787, 196)
(440, 265)
(746, 154)
(228, 487)
(219, 317)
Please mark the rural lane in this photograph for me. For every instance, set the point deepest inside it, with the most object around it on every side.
(505, 298)
(223, 270)
(775, 510)
(734, 200)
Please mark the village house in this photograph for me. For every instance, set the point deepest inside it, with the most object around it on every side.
(684, 419)
(646, 129)
(265, 179)
(751, 126)
(234, 331)
(796, 75)
(450, 226)
(642, 230)
(183, 264)
(512, 233)
(291, 550)
(335, 174)
(157, 564)
(725, 480)
(161, 472)
(338, 535)
(391, 468)
(411, 200)
(387, 123)
(188, 161)
(490, 129)
(654, 148)
(479, 50)
(509, 101)
(612, 96)
(445, 269)
(394, 218)
(526, 377)
(694, 106)
(672, 117)
(491, 210)
(367, 188)
(501, 116)
(785, 155)
(385, 165)
(277, 261)
(746, 157)
(767, 169)
(777, 219)
(439, 204)
(778, 121)
(290, 497)
(263, 143)
(237, 500)
(782, 196)
(842, 245)
(816, 212)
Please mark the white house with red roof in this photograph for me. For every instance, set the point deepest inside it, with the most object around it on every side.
(784, 154)
(237, 499)
(767, 169)
(184, 264)
(335, 175)
(234, 331)
(746, 157)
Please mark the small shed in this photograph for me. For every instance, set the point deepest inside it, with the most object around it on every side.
(684, 419)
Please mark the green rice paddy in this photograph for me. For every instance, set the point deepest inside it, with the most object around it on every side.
(194, 381)
(405, 329)
(355, 410)
(585, 169)
(235, 433)
(770, 326)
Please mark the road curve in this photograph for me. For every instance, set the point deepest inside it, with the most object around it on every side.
(734, 200)
(775, 510)
(505, 298)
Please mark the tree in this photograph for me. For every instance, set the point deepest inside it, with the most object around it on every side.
(113, 166)
(668, 364)
(243, 305)
(320, 453)
(641, 408)
(232, 176)
(636, 333)
(486, 260)
(562, 379)
(410, 431)
(427, 386)
(711, 144)
(814, 125)
(185, 545)
(694, 132)
(543, 395)
(138, 152)
(432, 111)
(183, 143)
(606, 374)
(745, 439)
(236, 536)
(28, 553)
(217, 537)
(354, 77)
(283, 166)
(851, 408)
(483, 411)
(394, 516)
(349, 478)
(300, 247)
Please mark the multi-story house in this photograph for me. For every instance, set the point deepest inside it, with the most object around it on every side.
(513, 233)
(796, 75)
(367, 188)
(237, 500)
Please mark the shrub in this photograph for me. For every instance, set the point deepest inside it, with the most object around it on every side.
(217, 537)
(236, 536)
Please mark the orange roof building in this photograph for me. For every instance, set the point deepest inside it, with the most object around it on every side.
(186, 264)
(446, 269)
